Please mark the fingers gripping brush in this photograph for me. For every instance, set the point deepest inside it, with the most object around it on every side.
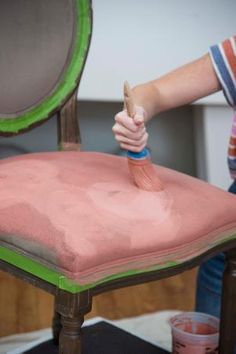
(140, 165)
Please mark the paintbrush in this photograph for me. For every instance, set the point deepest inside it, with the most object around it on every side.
(140, 165)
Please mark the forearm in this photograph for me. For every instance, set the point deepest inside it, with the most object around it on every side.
(179, 87)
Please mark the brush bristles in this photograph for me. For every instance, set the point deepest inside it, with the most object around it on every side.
(144, 175)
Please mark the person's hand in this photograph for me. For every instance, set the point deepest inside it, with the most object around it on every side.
(129, 132)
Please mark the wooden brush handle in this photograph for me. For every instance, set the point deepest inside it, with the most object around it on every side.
(128, 100)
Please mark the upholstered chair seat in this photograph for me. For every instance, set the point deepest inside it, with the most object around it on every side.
(79, 214)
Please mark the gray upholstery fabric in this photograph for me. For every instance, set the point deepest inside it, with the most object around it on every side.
(24, 246)
(36, 37)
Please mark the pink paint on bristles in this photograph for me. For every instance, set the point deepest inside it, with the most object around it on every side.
(144, 175)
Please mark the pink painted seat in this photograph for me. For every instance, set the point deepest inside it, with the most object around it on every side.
(80, 214)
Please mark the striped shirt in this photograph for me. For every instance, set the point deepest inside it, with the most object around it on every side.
(224, 61)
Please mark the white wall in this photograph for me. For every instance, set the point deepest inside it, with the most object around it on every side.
(139, 40)
(212, 127)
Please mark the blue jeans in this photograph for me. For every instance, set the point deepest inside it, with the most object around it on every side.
(209, 281)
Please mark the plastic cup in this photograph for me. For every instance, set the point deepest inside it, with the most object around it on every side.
(194, 333)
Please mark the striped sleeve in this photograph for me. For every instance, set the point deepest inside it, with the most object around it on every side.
(223, 56)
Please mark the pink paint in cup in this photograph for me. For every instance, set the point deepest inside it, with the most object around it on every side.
(194, 333)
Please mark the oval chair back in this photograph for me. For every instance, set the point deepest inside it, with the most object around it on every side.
(44, 45)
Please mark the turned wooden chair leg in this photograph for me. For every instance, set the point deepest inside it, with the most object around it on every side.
(56, 326)
(72, 308)
(228, 306)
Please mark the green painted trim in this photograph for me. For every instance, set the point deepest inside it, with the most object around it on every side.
(58, 279)
(40, 271)
(69, 81)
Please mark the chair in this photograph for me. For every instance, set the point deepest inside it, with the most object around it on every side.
(71, 222)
